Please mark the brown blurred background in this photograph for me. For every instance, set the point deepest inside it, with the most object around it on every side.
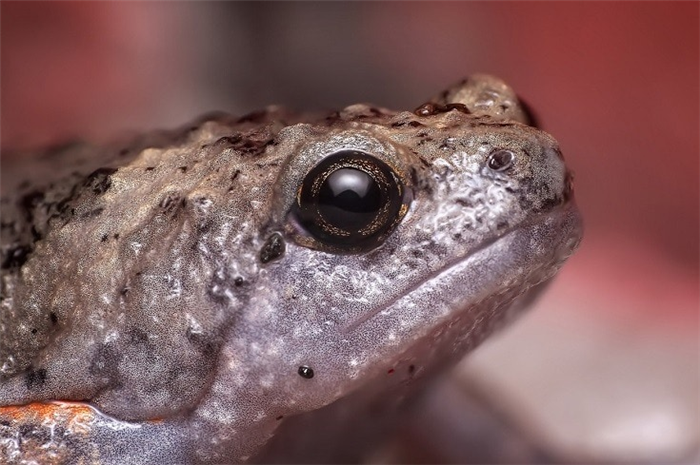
(609, 362)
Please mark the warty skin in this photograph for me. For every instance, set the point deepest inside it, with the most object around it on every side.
(135, 294)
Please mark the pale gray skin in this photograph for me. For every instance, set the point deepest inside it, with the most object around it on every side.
(144, 295)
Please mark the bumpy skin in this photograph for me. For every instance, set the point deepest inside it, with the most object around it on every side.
(138, 290)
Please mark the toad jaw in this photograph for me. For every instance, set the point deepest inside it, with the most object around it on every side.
(454, 309)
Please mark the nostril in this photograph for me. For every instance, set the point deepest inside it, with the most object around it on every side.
(501, 160)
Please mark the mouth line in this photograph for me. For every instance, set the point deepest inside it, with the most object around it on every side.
(562, 209)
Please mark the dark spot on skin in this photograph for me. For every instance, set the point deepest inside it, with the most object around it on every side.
(200, 341)
(26, 430)
(238, 281)
(305, 372)
(123, 152)
(391, 371)
(499, 123)
(413, 124)
(182, 169)
(116, 236)
(411, 369)
(233, 178)
(16, 256)
(92, 213)
(250, 143)
(228, 141)
(35, 378)
(250, 146)
(99, 180)
(38, 434)
(53, 317)
(104, 238)
(34, 330)
(171, 203)
(124, 291)
(279, 417)
(457, 106)
(464, 202)
(273, 248)
(150, 168)
(138, 336)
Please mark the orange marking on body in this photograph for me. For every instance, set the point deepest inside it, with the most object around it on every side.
(76, 417)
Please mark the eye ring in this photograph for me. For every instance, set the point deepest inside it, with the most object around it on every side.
(501, 160)
(350, 201)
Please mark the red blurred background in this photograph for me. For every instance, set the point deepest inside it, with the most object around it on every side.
(617, 83)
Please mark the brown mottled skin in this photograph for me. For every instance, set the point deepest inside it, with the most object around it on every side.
(168, 287)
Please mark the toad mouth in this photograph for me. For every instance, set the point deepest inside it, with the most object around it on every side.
(564, 218)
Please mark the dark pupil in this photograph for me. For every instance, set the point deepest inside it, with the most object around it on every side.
(349, 199)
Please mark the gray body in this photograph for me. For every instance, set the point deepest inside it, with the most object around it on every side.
(139, 291)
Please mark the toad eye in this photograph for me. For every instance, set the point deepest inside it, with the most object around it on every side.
(501, 160)
(350, 201)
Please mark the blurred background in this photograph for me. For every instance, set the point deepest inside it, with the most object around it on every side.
(607, 366)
